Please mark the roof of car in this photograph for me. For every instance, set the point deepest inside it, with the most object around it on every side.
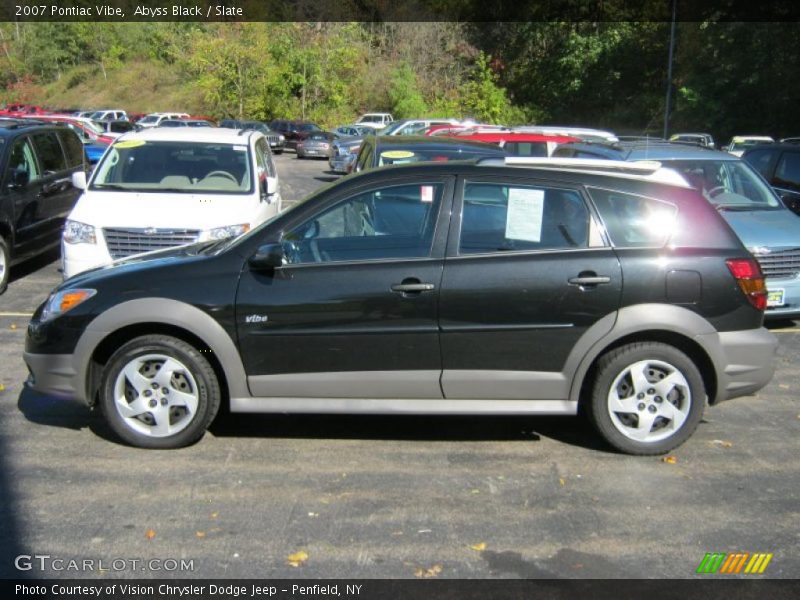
(516, 136)
(10, 126)
(575, 176)
(406, 141)
(195, 134)
(650, 151)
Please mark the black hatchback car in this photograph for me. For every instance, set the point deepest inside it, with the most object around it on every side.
(36, 166)
(502, 287)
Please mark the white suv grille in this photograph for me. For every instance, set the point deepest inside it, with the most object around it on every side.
(126, 242)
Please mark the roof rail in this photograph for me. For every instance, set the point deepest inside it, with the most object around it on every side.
(641, 169)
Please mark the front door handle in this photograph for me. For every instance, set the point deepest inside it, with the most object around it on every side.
(412, 287)
(589, 280)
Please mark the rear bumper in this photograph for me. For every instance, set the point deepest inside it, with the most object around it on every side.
(746, 362)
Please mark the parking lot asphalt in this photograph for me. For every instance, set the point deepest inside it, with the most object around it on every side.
(382, 496)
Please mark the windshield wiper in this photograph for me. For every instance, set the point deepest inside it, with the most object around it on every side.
(734, 207)
(111, 186)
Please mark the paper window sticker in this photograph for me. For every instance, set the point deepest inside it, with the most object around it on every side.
(426, 193)
(524, 216)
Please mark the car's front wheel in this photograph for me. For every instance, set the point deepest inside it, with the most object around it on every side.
(159, 392)
(647, 398)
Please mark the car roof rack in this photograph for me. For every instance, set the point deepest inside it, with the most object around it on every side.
(650, 170)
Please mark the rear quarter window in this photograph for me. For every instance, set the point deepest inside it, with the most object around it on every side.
(633, 221)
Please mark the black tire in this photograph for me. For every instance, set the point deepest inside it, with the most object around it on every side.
(300, 157)
(672, 425)
(196, 379)
(278, 152)
(5, 262)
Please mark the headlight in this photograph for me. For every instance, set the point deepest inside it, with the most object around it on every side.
(221, 233)
(63, 301)
(282, 138)
(79, 233)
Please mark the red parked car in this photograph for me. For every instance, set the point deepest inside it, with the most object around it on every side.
(87, 130)
(519, 144)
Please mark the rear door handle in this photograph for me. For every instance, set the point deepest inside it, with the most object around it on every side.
(595, 280)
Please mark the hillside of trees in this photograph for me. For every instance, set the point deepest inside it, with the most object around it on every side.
(728, 77)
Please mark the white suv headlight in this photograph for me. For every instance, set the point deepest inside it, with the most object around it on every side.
(76, 232)
(221, 233)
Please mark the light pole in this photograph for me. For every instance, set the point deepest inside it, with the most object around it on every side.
(669, 70)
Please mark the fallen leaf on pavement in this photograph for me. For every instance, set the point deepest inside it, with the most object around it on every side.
(426, 573)
(150, 534)
(479, 547)
(723, 443)
(200, 534)
(214, 515)
(297, 559)
(670, 460)
(562, 481)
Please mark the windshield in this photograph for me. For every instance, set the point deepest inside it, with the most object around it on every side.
(149, 119)
(93, 126)
(727, 184)
(736, 146)
(308, 127)
(371, 119)
(392, 127)
(185, 167)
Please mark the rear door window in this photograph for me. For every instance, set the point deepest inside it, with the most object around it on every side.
(72, 147)
(50, 153)
(501, 218)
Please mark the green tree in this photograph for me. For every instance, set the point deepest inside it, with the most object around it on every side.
(406, 98)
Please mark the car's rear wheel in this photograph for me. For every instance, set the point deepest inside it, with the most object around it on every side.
(5, 261)
(159, 392)
(647, 398)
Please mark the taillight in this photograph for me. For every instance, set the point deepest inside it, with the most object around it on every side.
(748, 275)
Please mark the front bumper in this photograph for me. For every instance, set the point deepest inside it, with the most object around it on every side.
(790, 309)
(52, 374)
(746, 361)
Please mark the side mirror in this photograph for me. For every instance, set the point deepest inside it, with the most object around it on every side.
(269, 186)
(267, 258)
(79, 180)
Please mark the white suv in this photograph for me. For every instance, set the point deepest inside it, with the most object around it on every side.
(375, 120)
(160, 188)
(155, 119)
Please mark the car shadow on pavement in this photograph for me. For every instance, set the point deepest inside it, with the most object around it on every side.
(32, 265)
(569, 430)
(575, 431)
(328, 179)
(59, 412)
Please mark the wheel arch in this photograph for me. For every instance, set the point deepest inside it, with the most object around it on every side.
(673, 325)
(144, 316)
